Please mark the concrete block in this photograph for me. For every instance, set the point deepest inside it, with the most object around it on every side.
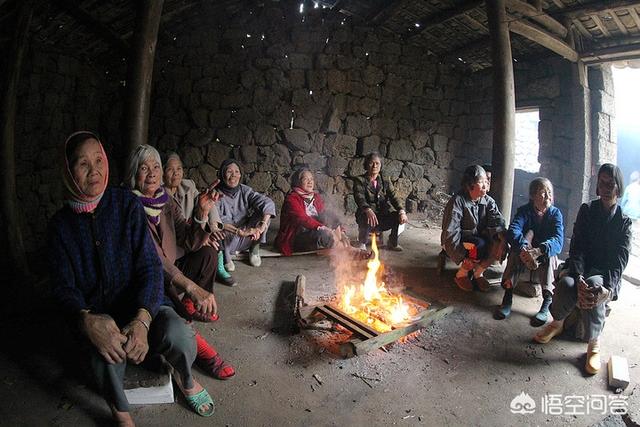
(618, 372)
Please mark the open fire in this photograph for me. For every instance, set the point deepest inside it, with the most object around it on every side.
(372, 303)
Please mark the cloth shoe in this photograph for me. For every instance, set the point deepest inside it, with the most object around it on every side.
(464, 283)
(504, 310)
(592, 364)
(230, 266)
(396, 248)
(222, 276)
(483, 283)
(216, 367)
(550, 331)
(254, 256)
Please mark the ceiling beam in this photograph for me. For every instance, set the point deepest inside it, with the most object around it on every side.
(619, 22)
(543, 38)
(92, 24)
(600, 25)
(384, 12)
(595, 7)
(610, 54)
(443, 16)
(542, 18)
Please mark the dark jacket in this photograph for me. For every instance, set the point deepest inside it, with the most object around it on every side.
(381, 199)
(105, 261)
(548, 234)
(601, 240)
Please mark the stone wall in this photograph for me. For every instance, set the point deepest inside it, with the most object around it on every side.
(57, 95)
(603, 127)
(275, 88)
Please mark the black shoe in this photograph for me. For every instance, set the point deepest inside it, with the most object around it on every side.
(227, 281)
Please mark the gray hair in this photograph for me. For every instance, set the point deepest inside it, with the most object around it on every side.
(139, 155)
(172, 155)
(538, 183)
(471, 175)
(369, 158)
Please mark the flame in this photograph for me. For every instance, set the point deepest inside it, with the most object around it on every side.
(372, 303)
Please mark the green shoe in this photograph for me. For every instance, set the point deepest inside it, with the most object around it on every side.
(254, 255)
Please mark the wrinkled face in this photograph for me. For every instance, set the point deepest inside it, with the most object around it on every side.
(232, 175)
(488, 181)
(148, 178)
(373, 168)
(306, 181)
(607, 188)
(173, 173)
(542, 199)
(479, 188)
(88, 167)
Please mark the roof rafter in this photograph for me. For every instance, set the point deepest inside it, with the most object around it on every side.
(543, 38)
(595, 7)
(443, 16)
(542, 18)
(384, 12)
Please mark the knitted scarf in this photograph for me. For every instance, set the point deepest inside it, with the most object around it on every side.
(74, 197)
(153, 205)
(307, 195)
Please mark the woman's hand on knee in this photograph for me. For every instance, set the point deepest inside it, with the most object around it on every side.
(204, 301)
(105, 335)
(137, 344)
(372, 219)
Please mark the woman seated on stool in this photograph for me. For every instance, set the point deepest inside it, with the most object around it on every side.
(245, 215)
(471, 230)
(598, 255)
(536, 236)
(305, 224)
(189, 266)
(185, 195)
(107, 281)
(378, 206)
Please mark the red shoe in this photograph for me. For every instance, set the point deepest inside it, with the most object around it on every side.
(216, 367)
(190, 308)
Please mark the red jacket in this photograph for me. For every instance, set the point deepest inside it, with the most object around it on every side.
(293, 218)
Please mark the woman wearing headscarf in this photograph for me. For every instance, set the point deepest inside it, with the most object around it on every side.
(379, 208)
(305, 224)
(185, 195)
(245, 214)
(592, 274)
(107, 280)
(189, 266)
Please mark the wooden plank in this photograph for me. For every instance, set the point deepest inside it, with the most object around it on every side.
(595, 7)
(635, 17)
(600, 25)
(586, 33)
(531, 12)
(431, 315)
(619, 23)
(441, 17)
(543, 38)
(351, 324)
(596, 56)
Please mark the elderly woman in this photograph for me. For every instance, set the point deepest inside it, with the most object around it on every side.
(245, 215)
(189, 265)
(107, 280)
(536, 236)
(305, 224)
(598, 255)
(185, 195)
(378, 206)
(471, 227)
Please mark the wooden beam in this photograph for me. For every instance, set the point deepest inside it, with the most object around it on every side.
(348, 322)
(613, 53)
(388, 7)
(11, 229)
(441, 17)
(504, 106)
(635, 17)
(543, 38)
(580, 26)
(619, 23)
(531, 12)
(95, 26)
(139, 75)
(595, 7)
(600, 25)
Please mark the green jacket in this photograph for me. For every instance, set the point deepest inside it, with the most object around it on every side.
(382, 199)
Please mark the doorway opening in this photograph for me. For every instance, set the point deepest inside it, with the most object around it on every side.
(527, 147)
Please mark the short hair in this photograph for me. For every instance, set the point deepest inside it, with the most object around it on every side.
(172, 155)
(369, 157)
(487, 168)
(538, 183)
(75, 140)
(471, 175)
(296, 176)
(137, 156)
(614, 172)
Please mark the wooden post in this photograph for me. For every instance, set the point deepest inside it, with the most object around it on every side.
(12, 231)
(140, 75)
(504, 107)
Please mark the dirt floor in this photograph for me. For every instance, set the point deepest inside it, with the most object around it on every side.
(462, 370)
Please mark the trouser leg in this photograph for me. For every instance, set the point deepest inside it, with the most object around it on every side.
(565, 298)
(171, 336)
(364, 229)
(593, 319)
(391, 222)
(109, 378)
(200, 266)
